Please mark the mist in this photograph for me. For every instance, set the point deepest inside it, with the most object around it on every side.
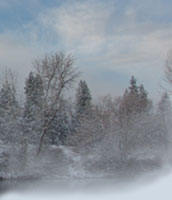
(55, 146)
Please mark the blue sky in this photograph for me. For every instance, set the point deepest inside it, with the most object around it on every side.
(111, 39)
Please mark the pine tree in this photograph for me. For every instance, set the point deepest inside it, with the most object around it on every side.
(144, 102)
(83, 111)
(129, 101)
(9, 112)
(33, 106)
(60, 126)
(83, 98)
(131, 110)
(33, 93)
(7, 97)
(135, 99)
(133, 88)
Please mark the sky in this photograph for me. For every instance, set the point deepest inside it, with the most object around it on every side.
(110, 39)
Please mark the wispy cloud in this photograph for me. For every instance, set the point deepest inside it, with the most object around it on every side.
(94, 27)
(81, 25)
(123, 37)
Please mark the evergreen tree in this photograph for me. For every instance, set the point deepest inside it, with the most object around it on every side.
(83, 98)
(9, 113)
(129, 101)
(33, 106)
(60, 125)
(144, 102)
(133, 88)
(33, 94)
(135, 99)
(83, 111)
(7, 97)
(132, 107)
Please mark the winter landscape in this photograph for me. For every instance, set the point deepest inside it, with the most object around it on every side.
(85, 100)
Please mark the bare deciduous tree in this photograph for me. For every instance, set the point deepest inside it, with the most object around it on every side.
(57, 74)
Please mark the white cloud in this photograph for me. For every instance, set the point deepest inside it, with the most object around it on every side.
(98, 34)
(81, 24)
(84, 28)
(138, 49)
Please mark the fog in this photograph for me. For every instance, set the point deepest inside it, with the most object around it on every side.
(146, 187)
(53, 147)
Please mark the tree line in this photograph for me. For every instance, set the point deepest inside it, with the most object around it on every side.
(110, 133)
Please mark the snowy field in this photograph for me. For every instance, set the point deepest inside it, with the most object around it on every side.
(156, 188)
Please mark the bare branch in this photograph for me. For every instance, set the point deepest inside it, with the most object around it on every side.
(57, 74)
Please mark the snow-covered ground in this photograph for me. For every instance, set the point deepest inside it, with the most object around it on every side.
(159, 188)
(78, 184)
